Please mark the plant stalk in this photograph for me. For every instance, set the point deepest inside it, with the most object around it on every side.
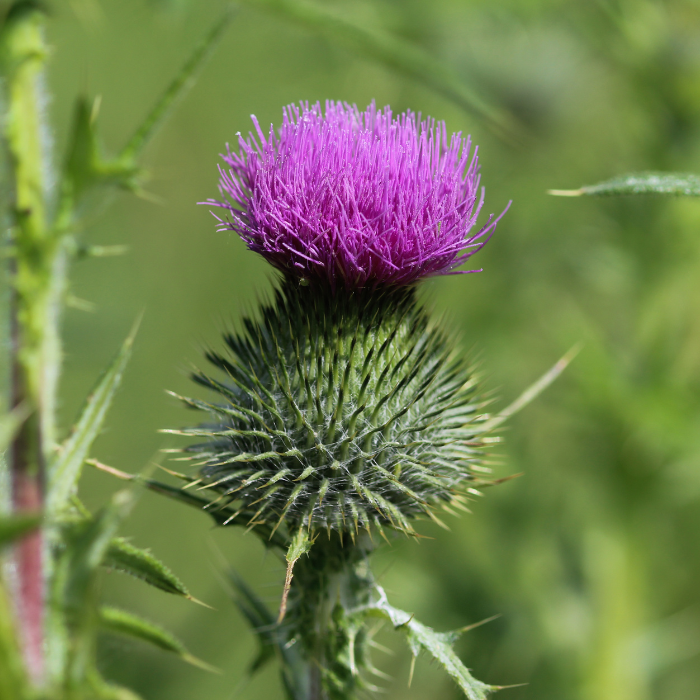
(33, 356)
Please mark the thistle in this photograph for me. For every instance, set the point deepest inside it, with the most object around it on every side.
(342, 411)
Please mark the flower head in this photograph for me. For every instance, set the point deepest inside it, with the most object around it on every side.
(355, 198)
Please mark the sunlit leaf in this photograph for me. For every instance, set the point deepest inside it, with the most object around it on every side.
(678, 184)
(64, 473)
(126, 623)
(437, 645)
(394, 53)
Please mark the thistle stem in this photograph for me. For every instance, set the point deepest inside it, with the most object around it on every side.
(32, 362)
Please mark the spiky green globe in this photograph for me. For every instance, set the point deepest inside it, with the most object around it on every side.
(339, 410)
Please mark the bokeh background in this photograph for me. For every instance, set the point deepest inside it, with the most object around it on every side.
(592, 557)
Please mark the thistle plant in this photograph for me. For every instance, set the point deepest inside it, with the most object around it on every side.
(341, 413)
(54, 549)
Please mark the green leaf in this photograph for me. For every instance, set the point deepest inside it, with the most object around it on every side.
(124, 557)
(678, 184)
(85, 167)
(65, 471)
(15, 526)
(122, 622)
(183, 81)
(271, 637)
(395, 54)
(439, 646)
(88, 550)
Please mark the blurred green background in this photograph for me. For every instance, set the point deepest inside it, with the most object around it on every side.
(592, 557)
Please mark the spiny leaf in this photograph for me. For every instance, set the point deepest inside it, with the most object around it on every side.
(126, 623)
(396, 54)
(15, 526)
(678, 184)
(85, 166)
(64, 473)
(270, 636)
(87, 552)
(422, 638)
(176, 90)
(124, 557)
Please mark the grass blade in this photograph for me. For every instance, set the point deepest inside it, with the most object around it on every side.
(64, 473)
(395, 54)
(678, 184)
(130, 625)
(183, 81)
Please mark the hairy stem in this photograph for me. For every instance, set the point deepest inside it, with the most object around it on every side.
(23, 52)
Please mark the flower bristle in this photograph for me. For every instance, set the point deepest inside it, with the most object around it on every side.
(338, 411)
(355, 198)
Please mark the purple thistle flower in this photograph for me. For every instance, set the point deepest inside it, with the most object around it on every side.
(355, 198)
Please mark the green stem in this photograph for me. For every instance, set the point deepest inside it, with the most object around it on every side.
(329, 584)
(34, 355)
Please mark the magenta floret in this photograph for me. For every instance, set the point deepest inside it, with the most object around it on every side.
(355, 198)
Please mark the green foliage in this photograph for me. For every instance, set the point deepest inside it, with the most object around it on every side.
(65, 472)
(141, 564)
(42, 245)
(678, 184)
(438, 645)
(130, 625)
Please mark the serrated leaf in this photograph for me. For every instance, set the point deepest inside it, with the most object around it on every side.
(15, 526)
(423, 638)
(65, 471)
(176, 90)
(677, 184)
(126, 623)
(123, 556)
(87, 551)
(395, 54)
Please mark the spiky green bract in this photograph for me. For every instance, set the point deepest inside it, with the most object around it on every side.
(338, 411)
